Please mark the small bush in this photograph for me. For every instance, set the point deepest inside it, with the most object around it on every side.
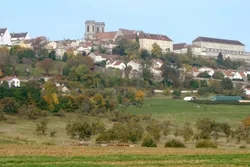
(2, 117)
(53, 133)
(248, 140)
(148, 141)
(41, 127)
(31, 112)
(243, 147)
(174, 143)
(205, 144)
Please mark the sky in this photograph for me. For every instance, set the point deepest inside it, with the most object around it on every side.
(180, 20)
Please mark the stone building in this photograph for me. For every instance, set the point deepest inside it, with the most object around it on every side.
(92, 28)
(233, 49)
(223, 44)
(147, 40)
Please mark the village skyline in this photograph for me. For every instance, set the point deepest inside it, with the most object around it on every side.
(181, 21)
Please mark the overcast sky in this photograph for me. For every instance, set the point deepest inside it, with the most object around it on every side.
(181, 20)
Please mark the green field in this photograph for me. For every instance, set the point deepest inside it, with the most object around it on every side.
(179, 111)
(127, 160)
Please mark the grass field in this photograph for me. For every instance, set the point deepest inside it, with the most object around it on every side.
(179, 111)
(32, 156)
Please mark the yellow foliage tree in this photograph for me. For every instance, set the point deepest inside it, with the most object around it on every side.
(139, 96)
(246, 122)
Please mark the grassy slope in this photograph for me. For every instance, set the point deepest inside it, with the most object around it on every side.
(180, 111)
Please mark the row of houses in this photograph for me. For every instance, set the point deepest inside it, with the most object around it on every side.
(239, 74)
(115, 62)
(7, 38)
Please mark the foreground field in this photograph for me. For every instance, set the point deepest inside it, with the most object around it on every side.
(31, 156)
(180, 112)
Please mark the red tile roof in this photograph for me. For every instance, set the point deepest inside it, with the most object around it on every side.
(179, 46)
(106, 35)
(242, 74)
(195, 69)
(154, 36)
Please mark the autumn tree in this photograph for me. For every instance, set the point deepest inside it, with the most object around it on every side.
(47, 65)
(139, 97)
(156, 50)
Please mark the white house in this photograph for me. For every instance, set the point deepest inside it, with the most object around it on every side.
(12, 81)
(117, 64)
(135, 65)
(247, 91)
(195, 72)
(229, 73)
(156, 71)
(240, 76)
(17, 38)
(5, 38)
(97, 57)
(157, 63)
(205, 69)
(51, 45)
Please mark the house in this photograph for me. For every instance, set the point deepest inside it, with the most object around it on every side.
(225, 98)
(182, 48)
(5, 38)
(65, 90)
(146, 41)
(209, 70)
(51, 45)
(157, 63)
(240, 76)
(17, 38)
(195, 72)
(247, 91)
(117, 64)
(134, 65)
(97, 58)
(229, 73)
(12, 81)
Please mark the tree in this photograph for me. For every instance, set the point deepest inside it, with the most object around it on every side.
(218, 75)
(194, 84)
(42, 54)
(14, 50)
(227, 84)
(46, 64)
(168, 74)
(52, 55)
(147, 75)
(27, 53)
(220, 59)
(156, 50)
(84, 53)
(144, 54)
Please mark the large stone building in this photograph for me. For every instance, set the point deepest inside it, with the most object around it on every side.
(233, 49)
(223, 44)
(92, 28)
(147, 40)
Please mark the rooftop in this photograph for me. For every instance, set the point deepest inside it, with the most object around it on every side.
(217, 40)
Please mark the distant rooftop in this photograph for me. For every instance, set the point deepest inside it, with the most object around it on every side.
(216, 40)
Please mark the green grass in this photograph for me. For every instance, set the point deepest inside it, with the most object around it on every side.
(126, 160)
(180, 111)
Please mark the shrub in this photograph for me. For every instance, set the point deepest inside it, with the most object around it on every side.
(31, 112)
(148, 141)
(187, 132)
(2, 117)
(53, 133)
(9, 105)
(206, 144)
(41, 127)
(174, 143)
(154, 129)
(83, 130)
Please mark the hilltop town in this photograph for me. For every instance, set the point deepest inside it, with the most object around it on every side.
(123, 86)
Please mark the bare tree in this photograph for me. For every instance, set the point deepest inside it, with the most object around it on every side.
(46, 64)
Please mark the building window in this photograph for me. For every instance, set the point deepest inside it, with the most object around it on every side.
(87, 28)
(102, 29)
(93, 29)
(97, 30)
